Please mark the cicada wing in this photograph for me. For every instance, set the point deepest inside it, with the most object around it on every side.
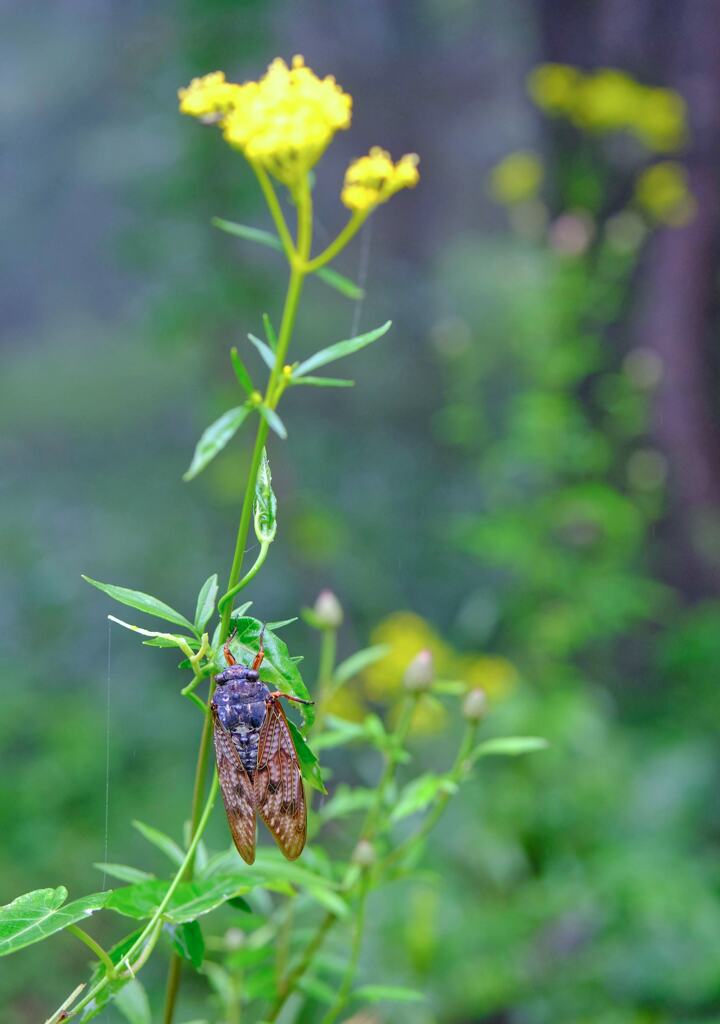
(237, 791)
(279, 794)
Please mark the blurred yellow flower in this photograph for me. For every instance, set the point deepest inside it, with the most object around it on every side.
(611, 100)
(663, 192)
(348, 704)
(496, 676)
(406, 634)
(283, 123)
(207, 96)
(374, 178)
(553, 87)
(516, 178)
(661, 120)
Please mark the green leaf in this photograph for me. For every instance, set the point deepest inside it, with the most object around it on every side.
(190, 899)
(324, 382)
(188, 942)
(420, 793)
(317, 989)
(168, 846)
(132, 1002)
(206, 602)
(277, 668)
(359, 661)
(338, 732)
(269, 331)
(124, 872)
(240, 904)
(244, 378)
(387, 993)
(36, 915)
(279, 625)
(215, 437)
(250, 234)
(309, 765)
(273, 420)
(340, 349)
(164, 640)
(268, 356)
(142, 602)
(347, 801)
(327, 276)
(340, 283)
(509, 746)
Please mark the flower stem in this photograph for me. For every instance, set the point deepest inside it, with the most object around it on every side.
(348, 232)
(90, 942)
(351, 970)
(295, 975)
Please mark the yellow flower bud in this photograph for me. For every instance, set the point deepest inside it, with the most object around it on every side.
(374, 178)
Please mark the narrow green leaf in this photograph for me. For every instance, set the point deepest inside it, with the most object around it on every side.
(188, 942)
(338, 732)
(142, 602)
(509, 746)
(268, 356)
(359, 661)
(190, 899)
(164, 640)
(206, 602)
(244, 378)
(269, 331)
(215, 437)
(317, 989)
(323, 382)
(168, 846)
(36, 915)
(265, 504)
(340, 283)
(420, 793)
(341, 349)
(309, 764)
(273, 420)
(124, 872)
(132, 1002)
(387, 993)
(329, 277)
(250, 234)
(279, 625)
(240, 904)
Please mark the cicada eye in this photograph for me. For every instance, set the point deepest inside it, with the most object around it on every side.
(220, 679)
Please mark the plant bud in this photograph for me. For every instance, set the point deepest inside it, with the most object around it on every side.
(364, 854)
(234, 938)
(474, 705)
(420, 673)
(265, 504)
(328, 610)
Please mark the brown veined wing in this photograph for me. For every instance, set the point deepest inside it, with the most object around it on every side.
(237, 791)
(279, 795)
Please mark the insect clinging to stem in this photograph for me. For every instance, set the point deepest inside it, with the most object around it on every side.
(257, 764)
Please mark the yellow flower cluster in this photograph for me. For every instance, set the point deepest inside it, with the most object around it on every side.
(406, 634)
(611, 100)
(374, 178)
(663, 192)
(283, 123)
(516, 178)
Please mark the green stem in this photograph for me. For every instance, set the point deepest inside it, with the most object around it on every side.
(172, 988)
(297, 973)
(328, 650)
(90, 942)
(374, 815)
(275, 211)
(147, 939)
(249, 575)
(432, 818)
(351, 970)
(348, 232)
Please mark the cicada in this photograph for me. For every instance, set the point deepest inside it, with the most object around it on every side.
(257, 763)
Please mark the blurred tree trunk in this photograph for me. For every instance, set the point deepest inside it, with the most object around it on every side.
(675, 44)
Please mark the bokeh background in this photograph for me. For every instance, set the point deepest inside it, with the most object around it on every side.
(526, 477)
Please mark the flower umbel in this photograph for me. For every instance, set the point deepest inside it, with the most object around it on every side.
(285, 121)
(374, 178)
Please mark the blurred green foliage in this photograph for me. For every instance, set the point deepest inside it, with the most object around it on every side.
(508, 491)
